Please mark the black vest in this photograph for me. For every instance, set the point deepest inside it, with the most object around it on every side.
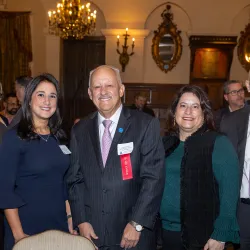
(199, 189)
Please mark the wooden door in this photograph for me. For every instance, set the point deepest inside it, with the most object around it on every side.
(79, 58)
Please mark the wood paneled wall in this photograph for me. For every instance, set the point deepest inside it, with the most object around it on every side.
(161, 95)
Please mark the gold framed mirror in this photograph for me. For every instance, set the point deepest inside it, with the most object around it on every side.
(243, 48)
(167, 42)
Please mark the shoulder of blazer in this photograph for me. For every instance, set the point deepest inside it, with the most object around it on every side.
(139, 115)
(85, 122)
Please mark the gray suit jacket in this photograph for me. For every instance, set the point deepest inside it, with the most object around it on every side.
(99, 196)
(235, 126)
(3, 129)
(17, 118)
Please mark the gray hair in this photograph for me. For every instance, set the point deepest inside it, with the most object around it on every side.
(229, 82)
(116, 71)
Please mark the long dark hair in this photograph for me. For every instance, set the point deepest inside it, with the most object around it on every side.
(25, 129)
(172, 127)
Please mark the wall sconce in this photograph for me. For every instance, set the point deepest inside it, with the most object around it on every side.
(124, 56)
(248, 60)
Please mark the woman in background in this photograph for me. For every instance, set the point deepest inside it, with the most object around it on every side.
(199, 203)
(33, 164)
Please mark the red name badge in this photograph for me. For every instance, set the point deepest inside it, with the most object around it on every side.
(127, 173)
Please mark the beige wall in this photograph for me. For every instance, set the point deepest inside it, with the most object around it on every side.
(199, 17)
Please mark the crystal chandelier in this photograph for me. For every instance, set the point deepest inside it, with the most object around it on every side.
(71, 19)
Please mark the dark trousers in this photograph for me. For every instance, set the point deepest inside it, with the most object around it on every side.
(171, 240)
(244, 223)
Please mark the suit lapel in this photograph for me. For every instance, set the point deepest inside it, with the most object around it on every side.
(94, 135)
(122, 127)
(242, 136)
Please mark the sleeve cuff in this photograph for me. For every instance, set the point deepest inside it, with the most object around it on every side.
(226, 230)
(9, 201)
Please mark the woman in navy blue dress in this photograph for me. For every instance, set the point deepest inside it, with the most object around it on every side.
(33, 162)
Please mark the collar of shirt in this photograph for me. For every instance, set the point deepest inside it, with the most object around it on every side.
(114, 118)
(232, 110)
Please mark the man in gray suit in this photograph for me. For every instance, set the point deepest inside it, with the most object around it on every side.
(20, 85)
(236, 126)
(116, 177)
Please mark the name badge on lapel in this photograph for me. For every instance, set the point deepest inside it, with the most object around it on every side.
(65, 149)
(124, 150)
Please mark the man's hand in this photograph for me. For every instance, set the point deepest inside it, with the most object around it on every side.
(130, 237)
(214, 245)
(86, 230)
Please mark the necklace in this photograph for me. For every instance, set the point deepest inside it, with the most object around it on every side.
(45, 139)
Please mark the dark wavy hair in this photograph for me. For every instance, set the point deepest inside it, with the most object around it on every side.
(25, 129)
(172, 127)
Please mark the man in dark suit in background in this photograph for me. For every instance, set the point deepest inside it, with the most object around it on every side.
(236, 126)
(116, 177)
(234, 94)
(140, 103)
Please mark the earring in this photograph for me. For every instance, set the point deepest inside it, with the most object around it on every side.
(174, 121)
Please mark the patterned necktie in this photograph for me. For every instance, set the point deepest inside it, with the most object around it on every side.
(106, 141)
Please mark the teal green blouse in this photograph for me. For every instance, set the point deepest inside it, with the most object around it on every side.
(226, 171)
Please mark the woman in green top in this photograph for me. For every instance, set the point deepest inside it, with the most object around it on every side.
(198, 209)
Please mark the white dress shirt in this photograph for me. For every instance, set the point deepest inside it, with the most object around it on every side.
(114, 118)
(244, 191)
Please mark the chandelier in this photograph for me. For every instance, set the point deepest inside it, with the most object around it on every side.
(71, 19)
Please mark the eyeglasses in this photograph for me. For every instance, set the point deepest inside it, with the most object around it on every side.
(236, 92)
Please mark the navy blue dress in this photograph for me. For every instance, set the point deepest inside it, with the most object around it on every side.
(32, 180)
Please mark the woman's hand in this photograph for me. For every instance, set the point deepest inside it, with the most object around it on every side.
(70, 226)
(20, 237)
(214, 245)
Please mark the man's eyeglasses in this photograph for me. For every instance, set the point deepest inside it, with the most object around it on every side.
(236, 92)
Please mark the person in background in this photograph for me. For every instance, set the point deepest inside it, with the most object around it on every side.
(116, 177)
(20, 85)
(3, 129)
(11, 107)
(234, 95)
(140, 103)
(236, 126)
(34, 161)
(198, 208)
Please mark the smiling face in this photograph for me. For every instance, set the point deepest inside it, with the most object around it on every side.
(43, 102)
(188, 115)
(105, 91)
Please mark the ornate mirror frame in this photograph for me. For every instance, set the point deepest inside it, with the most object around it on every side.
(167, 27)
(241, 49)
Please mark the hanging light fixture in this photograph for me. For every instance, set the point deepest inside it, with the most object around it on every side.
(71, 19)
